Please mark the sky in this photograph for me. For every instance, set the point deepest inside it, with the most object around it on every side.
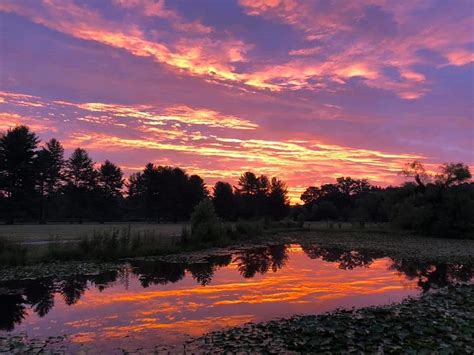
(304, 90)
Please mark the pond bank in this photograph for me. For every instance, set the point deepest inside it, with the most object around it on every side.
(406, 246)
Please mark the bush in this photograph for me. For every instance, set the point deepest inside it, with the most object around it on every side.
(205, 224)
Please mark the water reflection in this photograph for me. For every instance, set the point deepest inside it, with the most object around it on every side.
(347, 260)
(21, 298)
(261, 260)
(434, 275)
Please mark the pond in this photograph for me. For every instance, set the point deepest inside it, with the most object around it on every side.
(154, 302)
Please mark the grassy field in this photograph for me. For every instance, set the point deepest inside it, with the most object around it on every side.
(40, 233)
(35, 233)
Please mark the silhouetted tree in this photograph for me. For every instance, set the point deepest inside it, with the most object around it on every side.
(278, 202)
(223, 200)
(346, 259)
(311, 195)
(253, 195)
(431, 276)
(17, 175)
(205, 224)
(110, 179)
(416, 170)
(261, 260)
(453, 174)
(72, 289)
(13, 311)
(349, 186)
(158, 272)
(249, 184)
(81, 183)
(40, 295)
(110, 182)
(165, 193)
(49, 165)
(197, 191)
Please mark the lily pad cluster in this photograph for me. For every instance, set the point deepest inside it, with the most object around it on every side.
(56, 269)
(22, 344)
(439, 323)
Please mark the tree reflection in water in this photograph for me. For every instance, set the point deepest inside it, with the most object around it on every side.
(203, 272)
(261, 260)
(434, 275)
(347, 260)
(38, 295)
(13, 311)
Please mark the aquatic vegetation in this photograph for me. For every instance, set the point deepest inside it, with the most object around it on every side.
(441, 322)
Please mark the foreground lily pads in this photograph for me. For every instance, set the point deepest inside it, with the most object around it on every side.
(441, 322)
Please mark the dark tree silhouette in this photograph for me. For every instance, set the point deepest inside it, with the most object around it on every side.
(40, 295)
(453, 174)
(431, 276)
(158, 272)
(311, 195)
(223, 200)
(261, 260)
(110, 183)
(13, 311)
(278, 202)
(416, 170)
(260, 197)
(349, 186)
(165, 193)
(81, 183)
(17, 175)
(49, 173)
(197, 191)
(36, 183)
(204, 272)
(110, 180)
(72, 289)
(347, 259)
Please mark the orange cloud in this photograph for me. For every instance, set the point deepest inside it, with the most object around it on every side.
(150, 115)
(215, 59)
(10, 120)
(198, 57)
(172, 133)
(289, 161)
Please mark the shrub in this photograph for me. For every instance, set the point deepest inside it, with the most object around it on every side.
(205, 224)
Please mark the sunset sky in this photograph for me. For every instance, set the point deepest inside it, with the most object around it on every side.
(299, 89)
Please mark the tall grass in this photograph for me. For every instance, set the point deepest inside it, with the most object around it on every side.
(12, 254)
(121, 243)
(99, 246)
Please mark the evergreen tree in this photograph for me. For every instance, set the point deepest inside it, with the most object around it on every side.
(49, 175)
(110, 182)
(278, 202)
(223, 200)
(82, 184)
(17, 177)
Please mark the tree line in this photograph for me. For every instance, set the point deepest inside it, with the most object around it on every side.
(441, 203)
(38, 183)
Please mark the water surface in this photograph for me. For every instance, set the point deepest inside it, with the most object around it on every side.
(151, 302)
